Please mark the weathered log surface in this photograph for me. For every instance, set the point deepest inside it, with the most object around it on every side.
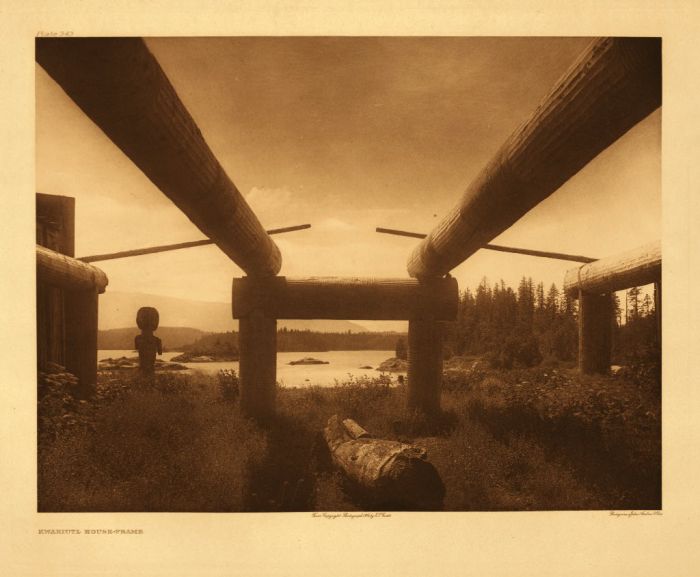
(595, 322)
(81, 310)
(55, 222)
(120, 86)
(387, 472)
(62, 271)
(425, 338)
(614, 84)
(55, 230)
(346, 298)
(257, 344)
(632, 268)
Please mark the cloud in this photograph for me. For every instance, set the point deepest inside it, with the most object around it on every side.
(335, 224)
(265, 199)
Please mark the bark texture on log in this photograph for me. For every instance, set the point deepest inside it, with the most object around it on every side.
(595, 321)
(387, 472)
(257, 343)
(62, 271)
(120, 86)
(424, 365)
(622, 271)
(615, 83)
(346, 298)
(81, 337)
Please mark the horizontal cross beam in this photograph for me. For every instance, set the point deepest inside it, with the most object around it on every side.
(346, 298)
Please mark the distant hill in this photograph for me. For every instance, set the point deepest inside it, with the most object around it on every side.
(172, 337)
(118, 310)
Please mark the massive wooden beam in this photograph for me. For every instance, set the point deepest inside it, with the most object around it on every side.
(424, 365)
(59, 270)
(257, 343)
(633, 268)
(613, 85)
(81, 337)
(346, 298)
(119, 85)
(595, 321)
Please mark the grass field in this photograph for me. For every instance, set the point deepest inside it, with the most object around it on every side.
(536, 439)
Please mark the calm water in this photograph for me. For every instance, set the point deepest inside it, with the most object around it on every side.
(341, 364)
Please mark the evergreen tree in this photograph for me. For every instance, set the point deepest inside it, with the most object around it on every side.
(552, 303)
(617, 309)
(633, 304)
(526, 303)
(540, 297)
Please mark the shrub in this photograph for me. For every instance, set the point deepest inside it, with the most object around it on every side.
(228, 384)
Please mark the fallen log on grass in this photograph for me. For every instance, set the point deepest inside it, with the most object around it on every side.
(387, 473)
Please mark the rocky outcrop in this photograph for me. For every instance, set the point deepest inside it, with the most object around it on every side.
(124, 363)
(309, 361)
(393, 365)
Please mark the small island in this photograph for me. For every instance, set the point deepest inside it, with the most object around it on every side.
(309, 361)
(210, 357)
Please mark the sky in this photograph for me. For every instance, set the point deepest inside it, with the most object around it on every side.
(347, 134)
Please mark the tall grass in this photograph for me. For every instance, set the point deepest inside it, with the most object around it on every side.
(505, 440)
(172, 446)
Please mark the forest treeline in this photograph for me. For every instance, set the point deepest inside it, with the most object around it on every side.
(292, 340)
(510, 328)
(525, 326)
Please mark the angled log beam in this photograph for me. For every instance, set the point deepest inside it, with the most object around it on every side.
(59, 270)
(499, 248)
(346, 298)
(177, 246)
(619, 272)
(614, 84)
(121, 87)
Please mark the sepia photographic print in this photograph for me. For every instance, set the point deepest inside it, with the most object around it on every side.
(373, 290)
(348, 274)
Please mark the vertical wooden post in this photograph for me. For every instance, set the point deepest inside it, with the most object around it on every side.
(55, 229)
(81, 337)
(595, 319)
(257, 343)
(424, 364)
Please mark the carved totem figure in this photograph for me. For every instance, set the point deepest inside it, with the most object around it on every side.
(147, 344)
